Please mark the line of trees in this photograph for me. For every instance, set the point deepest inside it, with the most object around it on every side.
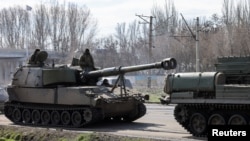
(222, 34)
(59, 27)
(68, 27)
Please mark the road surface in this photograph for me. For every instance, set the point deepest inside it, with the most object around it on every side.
(158, 123)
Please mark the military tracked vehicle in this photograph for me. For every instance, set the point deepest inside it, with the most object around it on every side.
(67, 96)
(212, 98)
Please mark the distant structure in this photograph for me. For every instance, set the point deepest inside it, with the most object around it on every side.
(9, 60)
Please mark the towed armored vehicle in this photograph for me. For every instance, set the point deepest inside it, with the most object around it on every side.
(212, 98)
(67, 96)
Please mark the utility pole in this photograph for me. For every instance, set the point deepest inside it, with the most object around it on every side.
(196, 38)
(150, 54)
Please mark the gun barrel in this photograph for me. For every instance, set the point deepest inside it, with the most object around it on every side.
(167, 64)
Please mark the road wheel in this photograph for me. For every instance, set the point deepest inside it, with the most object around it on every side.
(76, 119)
(216, 119)
(87, 114)
(45, 117)
(16, 116)
(198, 124)
(237, 119)
(55, 117)
(181, 113)
(26, 115)
(8, 111)
(36, 116)
(65, 117)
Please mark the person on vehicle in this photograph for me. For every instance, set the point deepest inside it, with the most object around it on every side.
(33, 58)
(86, 61)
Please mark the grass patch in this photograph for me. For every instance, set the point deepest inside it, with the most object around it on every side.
(87, 137)
(11, 133)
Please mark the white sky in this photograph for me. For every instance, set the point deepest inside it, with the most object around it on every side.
(110, 12)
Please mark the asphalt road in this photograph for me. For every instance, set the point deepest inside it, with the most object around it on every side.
(158, 123)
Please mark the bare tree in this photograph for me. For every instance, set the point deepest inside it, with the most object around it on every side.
(227, 12)
(81, 27)
(106, 54)
(41, 27)
(14, 28)
(58, 26)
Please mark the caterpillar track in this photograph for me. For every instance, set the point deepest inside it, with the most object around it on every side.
(195, 118)
(52, 115)
(65, 116)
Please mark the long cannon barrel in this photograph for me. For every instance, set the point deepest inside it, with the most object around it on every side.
(167, 64)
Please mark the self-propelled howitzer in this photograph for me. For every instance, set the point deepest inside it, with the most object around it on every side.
(66, 96)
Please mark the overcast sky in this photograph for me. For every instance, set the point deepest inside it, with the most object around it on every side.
(110, 12)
